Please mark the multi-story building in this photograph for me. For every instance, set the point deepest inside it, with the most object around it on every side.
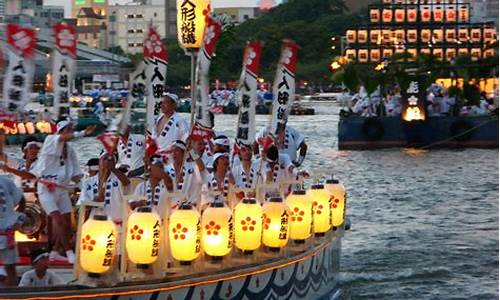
(170, 17)
(128, 24)
(239, 14)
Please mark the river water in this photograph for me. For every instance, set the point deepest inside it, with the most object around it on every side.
(424, 223)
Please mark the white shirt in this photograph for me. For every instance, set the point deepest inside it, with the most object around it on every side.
(243, 179)
(191, 185)
(176, 128)
(20, 165)
(279, 171)
(52, 166)
(30, 279)
(10, 195)
(155, 197)
(292, 142)
(211, 185)
(132, 152)
(89, 189)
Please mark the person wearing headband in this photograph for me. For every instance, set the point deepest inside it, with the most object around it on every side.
(170, 126)
(221, 144)
(39, 276)
(90, 184)
(246, 170)
(55, 169)
(221, 178)
(277, 167)
(131, 149)
(288, 140)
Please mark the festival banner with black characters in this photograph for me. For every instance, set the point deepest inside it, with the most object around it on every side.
(284, 85)
(21, 43)
(247, 94)
(63, 67)
(156, 59)
(203, 124)
(414, 100)
(137, 90)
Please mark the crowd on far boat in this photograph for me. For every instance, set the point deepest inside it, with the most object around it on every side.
(439, 102)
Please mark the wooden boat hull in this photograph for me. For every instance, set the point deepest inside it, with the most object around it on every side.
(310, 274)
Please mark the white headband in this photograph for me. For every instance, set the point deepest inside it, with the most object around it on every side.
(33, 143)
(174, 97)
(40, 256)
(93, 168)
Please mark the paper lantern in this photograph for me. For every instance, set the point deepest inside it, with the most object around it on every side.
(387, 53)
(475, 53)
(411, 35)
(375, 36)
(399, 50)
(30, 128)
(185, 234)
(374, 15)
(399, 2)
(387, 1)
(412, 52)
(20, 128)
(399, 15)
(143, 237)
(248, 225)
(438, 53)
(450, 35)
(411, 15)
(321, 208)
(97, 245)
(362, 36)
(463, 51)
(217, 230)
(400, 35)
(463, 34)
(475, 35)
(351, 36)
(338, 204)
(374, 55)
(488, 53)
(351, 54)
(425, 14)
(300, 215)
(425, 51)
(438, 35)
(362, 55)
(425, 35)
(386, 36)
(438, 14)
(387, 15)
(451, 14)
(489, 34)
(275, 223)
(191, 22)
(450, 53)
(463, 14)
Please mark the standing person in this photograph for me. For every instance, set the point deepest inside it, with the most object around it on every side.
(90, 185)
(289, 141)
(10, 220)
(131, 148)
(246, 171)
(221, 177)
(170, 126)
(39, 276)
(56, 168)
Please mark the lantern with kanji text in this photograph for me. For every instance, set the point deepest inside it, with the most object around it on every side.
(97, 245)
(387, 15)
(143, 237)
(248, 225)
(338, 201)
(191, 22)
(450, 35)
(275, 224)
(351, 36)
(425, 14)
(374, 15)
(451, 14)
(399, 15)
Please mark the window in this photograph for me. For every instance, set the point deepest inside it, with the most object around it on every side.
(131, 44)
(138, 16)
(95, 35)
(155, 15)
(130, 31)
(138, 44)
(139, 30)
(245, 17)
(130, 16)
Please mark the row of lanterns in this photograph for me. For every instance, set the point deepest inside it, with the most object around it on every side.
(27, 128)
(249, 226)
(438, 35)
(376, 55)
(397, 2)
(427, 14)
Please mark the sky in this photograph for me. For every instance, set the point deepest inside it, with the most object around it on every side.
(215, 3)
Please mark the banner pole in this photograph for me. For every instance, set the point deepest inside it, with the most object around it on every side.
(193, 69)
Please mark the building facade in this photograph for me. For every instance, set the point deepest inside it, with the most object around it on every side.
(100, 7)
(238, 14)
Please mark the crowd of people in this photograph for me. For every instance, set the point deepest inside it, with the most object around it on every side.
(194, 168)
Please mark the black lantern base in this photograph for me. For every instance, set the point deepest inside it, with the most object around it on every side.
(319, 234)
(94, 275)
(215, 258)
(299, 242)
(142, 266)
(185, 263)
(274, 249)
(247, 252)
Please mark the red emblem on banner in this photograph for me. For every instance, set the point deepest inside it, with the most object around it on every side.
(65, 35)
(213, 30)
(200, 133)
(109, 141)
(289, 52)
(22, 40)
(154, 47)
(251, 59)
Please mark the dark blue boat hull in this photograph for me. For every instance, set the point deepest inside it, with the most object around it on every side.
(359, 133)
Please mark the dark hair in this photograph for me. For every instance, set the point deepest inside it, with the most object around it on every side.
(27, 140)
(93, 162)
(272, 153)
(37, 252)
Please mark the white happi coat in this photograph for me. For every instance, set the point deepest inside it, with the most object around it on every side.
(243, 179)
(132, 152)
(156, 197)
(292, 142)
(191, 185)
(176, 128)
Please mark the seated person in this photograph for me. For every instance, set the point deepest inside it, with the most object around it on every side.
(39, 276)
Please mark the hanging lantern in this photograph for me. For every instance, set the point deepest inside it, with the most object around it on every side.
(338, 201)
(425, 35)
(362, 36)
(399, 15)
(488, 53)
(185, 234)
(351, 36)
(300, 215)
(411, 15)
(438, 53)
(450, 35)
(399, 2)
(400, 35)
(248, 225)
(411, 35)
(143, 237)
(387, 53)
(387, 1)
(363, 55)
(463, 34)
(97, 245)
(451, 14)
(425, 14)
(438, 14)
(375, 55)
(321, 208)
(191, 22)
(450, 53)
(387, 15)
(463, 14)
(425, 51)
(412, 52)
(386, 36)
(351, 54)
(489, 34)
(374, 15)
(275, 223)
(30, 128)
(463, 51)
(475, 53)
(20, 128)
(217, 230)
(475, 34)
(375, 36)
(438, 35)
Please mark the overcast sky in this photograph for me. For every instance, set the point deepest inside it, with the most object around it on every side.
(215, 3)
